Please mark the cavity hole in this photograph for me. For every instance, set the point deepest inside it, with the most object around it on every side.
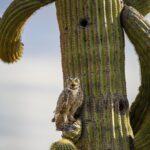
(84, 23)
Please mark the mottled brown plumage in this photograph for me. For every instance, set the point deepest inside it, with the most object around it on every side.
(69, 101)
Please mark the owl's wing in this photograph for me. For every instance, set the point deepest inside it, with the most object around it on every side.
(80, 105)
(61, 102)
(81, 97)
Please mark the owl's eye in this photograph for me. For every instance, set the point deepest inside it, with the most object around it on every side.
(69, 80)
(77, 80)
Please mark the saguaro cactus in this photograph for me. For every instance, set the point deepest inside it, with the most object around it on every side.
(92, 48)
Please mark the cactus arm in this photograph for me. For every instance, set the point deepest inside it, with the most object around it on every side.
(143, 6)
(11, 25)
(138, 31)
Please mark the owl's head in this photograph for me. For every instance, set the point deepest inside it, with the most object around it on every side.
(73, 83)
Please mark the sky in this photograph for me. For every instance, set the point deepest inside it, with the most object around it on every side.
(29, 89)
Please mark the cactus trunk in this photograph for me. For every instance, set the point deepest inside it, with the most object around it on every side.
(138, 30)
(92, 48)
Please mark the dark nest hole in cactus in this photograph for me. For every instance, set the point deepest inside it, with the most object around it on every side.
(84, 22)
(123, 106)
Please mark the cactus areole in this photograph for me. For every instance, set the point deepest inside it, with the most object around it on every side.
(92, 49)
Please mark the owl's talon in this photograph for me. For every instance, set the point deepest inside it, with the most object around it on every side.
(69, 127)
(60, 129)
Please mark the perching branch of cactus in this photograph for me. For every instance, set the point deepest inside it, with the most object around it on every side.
(11, 26)
(138, 31)
(143, 6)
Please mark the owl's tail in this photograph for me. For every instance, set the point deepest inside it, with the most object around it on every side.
(53, 120)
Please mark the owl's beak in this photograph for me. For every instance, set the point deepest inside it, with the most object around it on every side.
(73, 85)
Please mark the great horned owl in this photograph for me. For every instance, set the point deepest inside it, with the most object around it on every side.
(70, 99)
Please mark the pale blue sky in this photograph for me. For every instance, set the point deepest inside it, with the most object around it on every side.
(29, 89)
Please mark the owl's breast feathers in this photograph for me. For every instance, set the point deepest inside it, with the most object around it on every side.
(67, 99)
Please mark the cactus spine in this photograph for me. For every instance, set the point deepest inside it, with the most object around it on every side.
(135, 23)
(63, 144)
(11, 25)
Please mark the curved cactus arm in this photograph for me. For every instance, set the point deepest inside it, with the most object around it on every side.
(143, 6)
(11, 25)
(138, 31)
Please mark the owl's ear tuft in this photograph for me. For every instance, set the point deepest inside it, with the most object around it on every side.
(69, 80)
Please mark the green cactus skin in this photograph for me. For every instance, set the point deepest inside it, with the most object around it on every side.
(138, 31)
(143, 6)
(11, 25)
(63, 144)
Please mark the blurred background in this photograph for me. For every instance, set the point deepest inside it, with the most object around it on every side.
(29, 89)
